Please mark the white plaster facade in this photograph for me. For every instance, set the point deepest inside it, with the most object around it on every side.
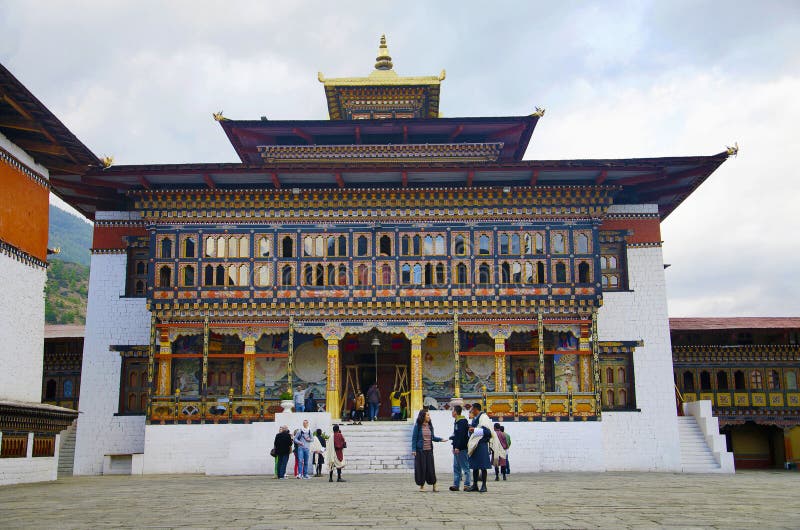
(30, 469)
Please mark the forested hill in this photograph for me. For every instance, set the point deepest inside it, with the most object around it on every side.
(68, 272)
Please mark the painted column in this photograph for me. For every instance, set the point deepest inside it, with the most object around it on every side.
(596, 361)
(456, 358)
(249, 368)
(290, 360)
(540, 341)
(164, 363)
(416, 334)
(151, 354)
(586, 375)
(333, 334)
(500, 334)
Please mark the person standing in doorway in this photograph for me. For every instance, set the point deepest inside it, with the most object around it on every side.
(374, 401)
(460, 456)
(358, 417)
(302, 440)
(283, 448)
(335, 454)
(422, 449)
(300, 399)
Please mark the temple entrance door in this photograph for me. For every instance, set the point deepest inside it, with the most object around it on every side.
(393, 356)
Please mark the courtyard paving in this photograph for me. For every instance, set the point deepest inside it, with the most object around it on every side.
(755, 499)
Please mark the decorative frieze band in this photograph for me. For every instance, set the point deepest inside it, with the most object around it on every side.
(19, 255)
(14, 162)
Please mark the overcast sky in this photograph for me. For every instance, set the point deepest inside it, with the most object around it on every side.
(139, 80)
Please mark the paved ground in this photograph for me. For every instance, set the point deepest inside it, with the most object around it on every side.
(548, 500)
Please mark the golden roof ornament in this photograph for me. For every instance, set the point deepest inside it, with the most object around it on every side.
(732, 150)
(219, 117)
(539, 112)
(107, 161)
(383, 61)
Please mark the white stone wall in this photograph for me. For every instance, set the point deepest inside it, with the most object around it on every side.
(110, 319)
(646, 440)
(29, 469)
(21, 330)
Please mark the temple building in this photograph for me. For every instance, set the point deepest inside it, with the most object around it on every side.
(34, 147)
(748, 368)
(385, 243)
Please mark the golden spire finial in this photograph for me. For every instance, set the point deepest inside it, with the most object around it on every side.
(383, 61)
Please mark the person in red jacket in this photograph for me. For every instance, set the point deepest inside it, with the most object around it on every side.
(335, 454)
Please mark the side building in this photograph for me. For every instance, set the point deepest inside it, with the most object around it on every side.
(748, 368)
(35, 148)
(383, 244)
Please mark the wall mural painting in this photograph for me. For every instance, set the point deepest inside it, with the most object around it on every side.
(273, 343)
(188, 344)
(310, 364)
(438, 366)
(477, 370)
(224, 374)
(186, 375)
(566, 372)
(272, 372)
(524, 371)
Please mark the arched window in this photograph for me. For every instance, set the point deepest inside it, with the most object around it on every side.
(428, 247)
(530, 376)
(503, 243)
(286, 275)
(722, 380)
(331, 274)
(738, 380)
(308, 275)
(319, 275)
(515, 244)
(417, 245)
(483, 245)
(516, 273)
(50, 389)
(461, 274)
(529, 278)
(132, 401)
(614, 282)
(558, 244)
(319, 246)
(484, 274)
(164, 276)
(244, 274)
(287, 247)
(363, 275)
(308, 246)
(612, 262)
(211, 245)
(68, 388)
(459, 248)
(263, 275)
(220, 275)
(610, 376)
(791, 380)
(755, 380)
(604, 281)
(343, 245)
(428, 274)
(139, 287)
(527, 243)
(774, 380)
(331, 246)
(439, 246)
(166, 248)
(133, 378)
(405, 274)
(244, 247)
(233, 247)
(141, 267)
(188, 247)
(539, 243)
(583, 272)
(361, 245)
(233, 275)
(621, 375)
(610, 398)
(440, 274)
(265, 247)
(505, 272)
(208, 277)
(405, 245)
(561, 273)
(623, 397)
(688, 381)
(221, 247)
(342, 276)
(385, 245)
(705, 380)
(386, 274)
(188, 276)
(540, 272)
(417, 274)
(582, 244)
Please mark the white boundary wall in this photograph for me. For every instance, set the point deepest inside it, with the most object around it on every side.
(111, 319)
(30, 469)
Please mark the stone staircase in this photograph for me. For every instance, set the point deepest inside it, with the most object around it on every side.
(696, 456)
(66, 450)
(378, 447)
